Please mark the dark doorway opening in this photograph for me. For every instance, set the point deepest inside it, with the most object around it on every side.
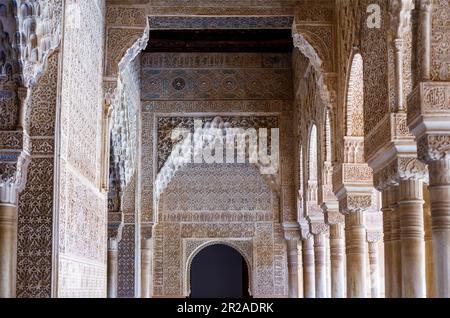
(219, 271)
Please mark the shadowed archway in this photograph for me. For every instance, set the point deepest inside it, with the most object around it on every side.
(219, 271)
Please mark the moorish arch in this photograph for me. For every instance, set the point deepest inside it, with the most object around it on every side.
(192, 212)
(124, 45)
(241, 247)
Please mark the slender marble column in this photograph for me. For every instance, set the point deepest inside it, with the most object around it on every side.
(320, 265)
(337, 252)
(396, 264)
(388, 273)
(292, 267)
(429, 260)
(112, 269)
(440, 224)
(309, 289)
(8, 249)
(328, 264)
(300, 269)
(412, 236)
(146, 267)
(373, 239)
(355, 241)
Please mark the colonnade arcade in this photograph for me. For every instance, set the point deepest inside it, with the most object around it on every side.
(359, 208)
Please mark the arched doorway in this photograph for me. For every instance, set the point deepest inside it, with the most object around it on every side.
(219, 271)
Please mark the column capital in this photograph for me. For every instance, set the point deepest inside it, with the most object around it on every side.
(113, 243)
(333, 216)
(115, 227)
(13, 168)
(440, 172)
(355, 203)
(401, 168)
(319, 228)
(146, 230)
(434, 147)
(374, 236)
(291, 230)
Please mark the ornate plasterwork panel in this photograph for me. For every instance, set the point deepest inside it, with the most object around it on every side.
(355, 98)
(35, 218)
(127, 265)
(238, 187)
(82, 205)
(440, 46)
(127, 262)
(374, 52)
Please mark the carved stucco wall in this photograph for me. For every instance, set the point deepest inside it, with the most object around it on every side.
(127, 265)
(35, 218)
(82, 205)
(208, 212)
(440, 46)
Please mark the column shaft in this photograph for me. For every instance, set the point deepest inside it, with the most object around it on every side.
(112, 271)
(146, 268)
(300, 269)
(374, 271)
(355, 240)
(388, 273)
(292, 267)
(309, 289)
(440, 224)
(320, 265)
(429, 259)
(412, 236)
(337, 252)
(396, 264)
(8, 250)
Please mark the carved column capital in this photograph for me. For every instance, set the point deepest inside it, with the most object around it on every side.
(115, 227)
(146, 231)
(333, 217)
(13, 169)
(291, 230)
(374, 236)
(401, 168)
(433, 147)
(319, 228)
(355, 203)
(113, 243)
